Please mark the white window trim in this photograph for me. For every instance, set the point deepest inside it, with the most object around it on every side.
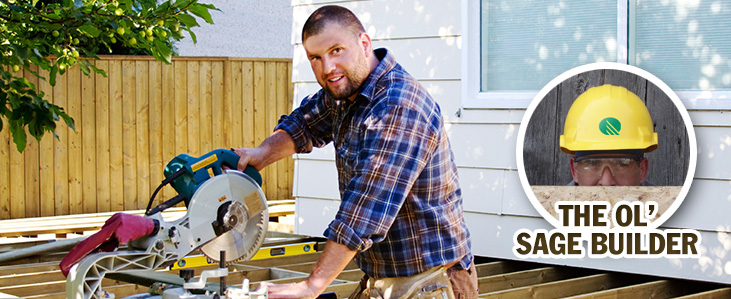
(473, 98)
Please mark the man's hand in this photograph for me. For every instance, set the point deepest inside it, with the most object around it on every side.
(272, 149)
(291, 290)
(248, 156)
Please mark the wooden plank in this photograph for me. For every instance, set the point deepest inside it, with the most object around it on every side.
(260, 121)
(155, 128)
(5, 148)
(499, 282)
(142, 133)
(218, 113)
(558, 289)
(88, 144)
(168, 121)
(129, 134)
(724, 292)
(45, 156)
(204, 112)
(116, 136)
(181, 107)
(193, 109)
(75, 142)
(659, 289)
(286, 110)
(60, 151)
(103, 191)
(240, 120)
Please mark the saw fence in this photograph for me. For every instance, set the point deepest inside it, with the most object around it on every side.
(132, 122)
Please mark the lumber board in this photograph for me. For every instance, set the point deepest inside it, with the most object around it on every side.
(559, 289)
(32, 165)
(505, 281)
(721, 292)
(142, 123)
(659, 289)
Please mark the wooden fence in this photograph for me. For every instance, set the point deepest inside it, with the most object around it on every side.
(132, 122)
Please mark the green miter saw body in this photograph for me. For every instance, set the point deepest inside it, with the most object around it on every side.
(226, 213)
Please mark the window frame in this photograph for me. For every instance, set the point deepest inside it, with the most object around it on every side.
(471, 66)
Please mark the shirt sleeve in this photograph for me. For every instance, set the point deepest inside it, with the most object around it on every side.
(397, 144)
(310, 125)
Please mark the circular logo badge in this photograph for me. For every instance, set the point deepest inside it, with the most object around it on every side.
(610, 126)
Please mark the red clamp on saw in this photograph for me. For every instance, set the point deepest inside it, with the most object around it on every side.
(226, 219)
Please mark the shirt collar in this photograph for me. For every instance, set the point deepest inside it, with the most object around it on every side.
(386, 64)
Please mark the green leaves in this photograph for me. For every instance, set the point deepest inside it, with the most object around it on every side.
(57, 35)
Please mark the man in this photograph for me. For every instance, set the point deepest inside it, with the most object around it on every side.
(608, 129)
(401, 213)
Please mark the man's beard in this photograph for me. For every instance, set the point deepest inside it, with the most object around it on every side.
(354, 81)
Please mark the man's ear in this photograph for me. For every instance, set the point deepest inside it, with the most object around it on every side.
(573, 170)
(644, 167)
(365, 42)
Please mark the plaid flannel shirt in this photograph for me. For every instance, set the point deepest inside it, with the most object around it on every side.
(401, 205)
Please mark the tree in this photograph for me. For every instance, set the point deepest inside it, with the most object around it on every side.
(58, 34)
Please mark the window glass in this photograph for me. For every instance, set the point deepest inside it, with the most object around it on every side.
(525, 44)
(687, 44)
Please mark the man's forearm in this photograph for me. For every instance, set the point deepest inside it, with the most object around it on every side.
(332, 261)
(276, 147)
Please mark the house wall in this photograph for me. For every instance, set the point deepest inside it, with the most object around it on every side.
(427, 37)
(243, 28)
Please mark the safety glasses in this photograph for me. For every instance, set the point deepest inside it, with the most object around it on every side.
(618, 166)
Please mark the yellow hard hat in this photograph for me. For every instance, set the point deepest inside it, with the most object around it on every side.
(608, 117)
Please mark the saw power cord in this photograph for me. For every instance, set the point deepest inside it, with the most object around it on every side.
(173, 201)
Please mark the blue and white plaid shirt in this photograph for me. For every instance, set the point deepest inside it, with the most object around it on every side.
(401, 205)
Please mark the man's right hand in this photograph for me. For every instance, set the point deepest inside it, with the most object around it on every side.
(248, 156)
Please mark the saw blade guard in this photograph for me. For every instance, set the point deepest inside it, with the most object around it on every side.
(236, 212)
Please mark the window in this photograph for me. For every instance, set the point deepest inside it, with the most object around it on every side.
(522, 45)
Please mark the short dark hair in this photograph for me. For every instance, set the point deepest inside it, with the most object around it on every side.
(331, 13)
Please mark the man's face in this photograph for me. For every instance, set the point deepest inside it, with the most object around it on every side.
(339, 60)
(609, 170)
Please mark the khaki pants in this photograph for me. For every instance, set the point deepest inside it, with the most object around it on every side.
(439, 283)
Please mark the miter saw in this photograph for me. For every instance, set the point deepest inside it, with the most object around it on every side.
(226, 220)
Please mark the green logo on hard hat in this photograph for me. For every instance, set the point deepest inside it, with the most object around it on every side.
(610, 126)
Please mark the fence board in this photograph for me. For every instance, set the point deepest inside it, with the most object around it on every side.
(5, 170)
(73, 104)
(132, 122)
(168, 121)
(60, 153)
(142, 126)
(88, 145)
(155, 127)
(103, 193)
(116, 157)
(129, 135)
(46, 180)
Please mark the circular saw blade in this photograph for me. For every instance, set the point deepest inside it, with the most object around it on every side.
(246, 218)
